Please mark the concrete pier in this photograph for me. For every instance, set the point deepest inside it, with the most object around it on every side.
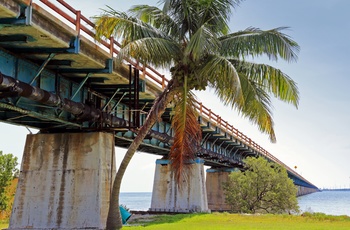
(166, 197)
(305, 190)
(65, 181)
(214, 182)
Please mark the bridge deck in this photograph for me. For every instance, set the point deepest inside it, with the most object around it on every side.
(51, 47)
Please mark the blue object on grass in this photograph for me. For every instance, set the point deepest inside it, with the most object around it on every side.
(125, 214)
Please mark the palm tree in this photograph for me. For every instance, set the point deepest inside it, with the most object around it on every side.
(192, 39)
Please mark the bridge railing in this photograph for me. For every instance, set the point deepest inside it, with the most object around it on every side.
(85, 27)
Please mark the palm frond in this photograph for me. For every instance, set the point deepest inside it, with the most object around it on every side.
(217, 14)
(157, 18)
(201, 43)
(254, 42)
(222, 76)
(248, 96)
(159, 52)
(256, 106)
(271, 80)
(187, 135)
(185, 14)
(122, 26)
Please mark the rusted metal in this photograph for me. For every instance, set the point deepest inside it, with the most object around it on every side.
(129, 101)
(82, 83)
(38, 115)
(77, 21)
(83, 112)
(28, 91)
(59, 11)
(24, 2)
(41, 68)
(137, 97)
(110, 100)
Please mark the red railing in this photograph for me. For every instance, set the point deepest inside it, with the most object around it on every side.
(80, 23)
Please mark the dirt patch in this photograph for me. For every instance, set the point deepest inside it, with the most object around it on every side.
(140, 219)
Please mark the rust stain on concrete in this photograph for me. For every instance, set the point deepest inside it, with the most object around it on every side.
(66, 181)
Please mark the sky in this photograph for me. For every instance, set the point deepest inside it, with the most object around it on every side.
(315, 137)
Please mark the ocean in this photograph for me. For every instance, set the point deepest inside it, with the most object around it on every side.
(328, 202)
(137, 201)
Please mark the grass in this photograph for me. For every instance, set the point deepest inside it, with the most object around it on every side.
(4, 224)
(219, 221)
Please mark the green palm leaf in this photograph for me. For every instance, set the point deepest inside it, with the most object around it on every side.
(122, 26)
(157, 18)
(255, 104)
(271, 80)
(222, 76)
(217, 14)
(159, 52)
(254, 42)
(202, 43)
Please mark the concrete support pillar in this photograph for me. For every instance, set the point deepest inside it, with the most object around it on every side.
(65, 181)
(166, 197)
(214, 183)
(305, 190)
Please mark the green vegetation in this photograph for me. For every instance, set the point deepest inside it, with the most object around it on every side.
(4, 224)
(10, 193)
(8, 170)
(264, 187)
(218, 221)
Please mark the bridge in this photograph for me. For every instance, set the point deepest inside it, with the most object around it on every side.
(54, 77)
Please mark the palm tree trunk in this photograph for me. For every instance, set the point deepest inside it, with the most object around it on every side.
(114, 218)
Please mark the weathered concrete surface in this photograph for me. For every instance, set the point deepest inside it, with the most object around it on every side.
(65, 181)
(305, 190)
(214, 183)
(168, 198)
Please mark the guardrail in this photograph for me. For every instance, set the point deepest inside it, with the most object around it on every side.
(85, 27)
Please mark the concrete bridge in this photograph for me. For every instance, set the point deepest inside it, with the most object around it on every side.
(56, 78)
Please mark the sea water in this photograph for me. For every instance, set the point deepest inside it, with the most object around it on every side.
(328, 202)
(137, 201)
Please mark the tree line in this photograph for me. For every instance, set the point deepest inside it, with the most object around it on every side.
(8, 171)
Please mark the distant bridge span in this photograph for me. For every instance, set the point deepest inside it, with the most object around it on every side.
(56, 78)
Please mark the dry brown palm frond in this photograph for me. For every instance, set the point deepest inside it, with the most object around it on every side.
(187, 136)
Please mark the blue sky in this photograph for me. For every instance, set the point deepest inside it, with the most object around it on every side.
(315, 137)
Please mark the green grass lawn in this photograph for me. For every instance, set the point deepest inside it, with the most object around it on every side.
(3, 224)
(246, 222)
(217, 221)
